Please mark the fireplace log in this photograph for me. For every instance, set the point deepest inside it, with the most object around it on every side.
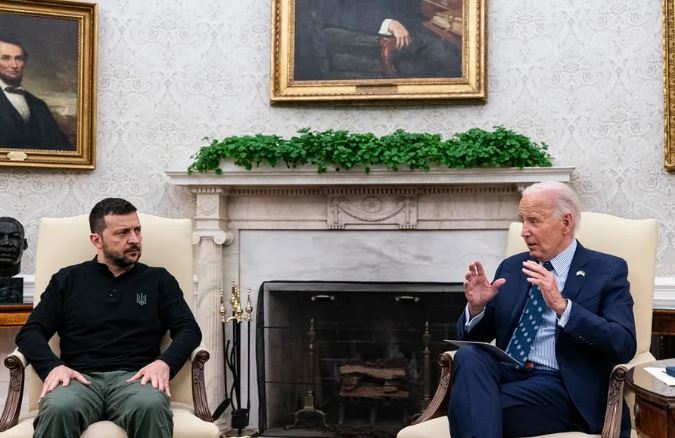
(368, 381)
(374, 372)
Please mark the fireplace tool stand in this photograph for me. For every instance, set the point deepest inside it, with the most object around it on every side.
(232, 362)
(308, 409)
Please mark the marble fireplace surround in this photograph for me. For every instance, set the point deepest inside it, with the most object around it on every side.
(295, 224)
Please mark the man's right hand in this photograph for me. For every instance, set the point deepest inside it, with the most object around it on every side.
(403, 38)
(63, 375)
(478, 289)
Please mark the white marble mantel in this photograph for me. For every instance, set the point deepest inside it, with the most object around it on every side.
(279, 223)
(234, 176)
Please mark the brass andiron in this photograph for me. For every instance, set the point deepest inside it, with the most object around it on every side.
(309, 402)
(426, 353)
(232, 351)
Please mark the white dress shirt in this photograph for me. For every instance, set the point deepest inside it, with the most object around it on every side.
(17, 100)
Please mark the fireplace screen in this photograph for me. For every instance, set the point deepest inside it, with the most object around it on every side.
(350, 359)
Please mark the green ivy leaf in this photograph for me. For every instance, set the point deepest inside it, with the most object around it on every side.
(344, 150)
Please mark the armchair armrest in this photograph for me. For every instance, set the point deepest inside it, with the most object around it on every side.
(438, 406)
(16, 363)
(387, 50)
(198, 357)
(616, 394)
(612, 426)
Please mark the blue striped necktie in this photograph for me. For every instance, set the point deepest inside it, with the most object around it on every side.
(530, 320)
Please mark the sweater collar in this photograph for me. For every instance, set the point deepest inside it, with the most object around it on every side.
(103, 268)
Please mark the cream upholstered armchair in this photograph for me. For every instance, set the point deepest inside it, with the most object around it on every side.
(65, 241)
(635, 242)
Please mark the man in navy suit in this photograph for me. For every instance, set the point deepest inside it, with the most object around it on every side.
(587, 327)
(25, 120)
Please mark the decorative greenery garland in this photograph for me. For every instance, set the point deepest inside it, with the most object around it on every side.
(345, 150)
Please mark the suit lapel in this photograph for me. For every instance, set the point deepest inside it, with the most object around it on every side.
(577, 273)
(9, 110)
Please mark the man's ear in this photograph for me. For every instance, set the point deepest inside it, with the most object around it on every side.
(568, 221)
(95, 240)
(25, 244)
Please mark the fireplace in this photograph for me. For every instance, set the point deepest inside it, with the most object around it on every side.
(343, 227)
(349, 359)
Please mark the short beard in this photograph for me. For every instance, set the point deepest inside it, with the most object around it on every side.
(12, 81)
(122, 261)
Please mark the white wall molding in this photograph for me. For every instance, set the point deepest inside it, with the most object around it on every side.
(664, 293)
(28, 287)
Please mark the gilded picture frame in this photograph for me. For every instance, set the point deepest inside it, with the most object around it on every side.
(353, 51)
(48, 84)
(669, 83)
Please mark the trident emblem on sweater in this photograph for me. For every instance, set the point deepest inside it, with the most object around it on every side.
(141, 299)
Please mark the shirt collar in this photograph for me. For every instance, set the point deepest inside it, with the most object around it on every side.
(104, 268)
(562, 262)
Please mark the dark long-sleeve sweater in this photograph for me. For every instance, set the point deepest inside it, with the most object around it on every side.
(108, 323)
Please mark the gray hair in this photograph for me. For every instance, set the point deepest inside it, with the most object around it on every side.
(564, 199)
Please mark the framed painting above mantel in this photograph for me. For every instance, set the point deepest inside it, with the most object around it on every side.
(356, 51)
(47, 83)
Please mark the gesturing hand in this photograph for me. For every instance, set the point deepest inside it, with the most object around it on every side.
(157, 373)
(542, 277)
(403, 38)
(63, 375)
(478, 289)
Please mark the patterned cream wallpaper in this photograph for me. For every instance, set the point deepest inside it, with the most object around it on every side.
(584, 77)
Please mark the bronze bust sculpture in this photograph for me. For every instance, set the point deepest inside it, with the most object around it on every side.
(12, 245)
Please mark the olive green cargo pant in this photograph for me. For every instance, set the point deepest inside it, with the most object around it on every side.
(141, 410)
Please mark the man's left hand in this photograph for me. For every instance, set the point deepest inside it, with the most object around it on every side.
(542, 277)
(157, 373)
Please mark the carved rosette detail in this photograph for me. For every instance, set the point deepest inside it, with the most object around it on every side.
(206, 206)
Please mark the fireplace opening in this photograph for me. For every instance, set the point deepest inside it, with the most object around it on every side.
(350, 359)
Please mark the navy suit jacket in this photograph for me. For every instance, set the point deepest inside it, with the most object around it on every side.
(40, 132)
(599, 334)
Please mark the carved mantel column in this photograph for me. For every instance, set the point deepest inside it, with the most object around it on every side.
(209, 237)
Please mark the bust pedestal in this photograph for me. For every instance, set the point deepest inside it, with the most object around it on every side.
(11, 290)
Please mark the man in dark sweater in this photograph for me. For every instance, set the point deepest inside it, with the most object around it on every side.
(110, 313)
